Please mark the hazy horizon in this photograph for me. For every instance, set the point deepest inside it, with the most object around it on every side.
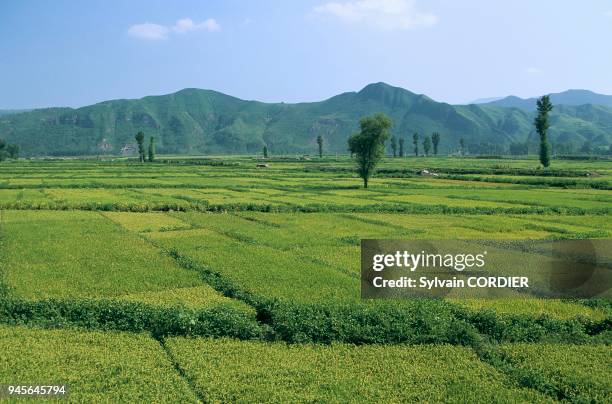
(65, 54)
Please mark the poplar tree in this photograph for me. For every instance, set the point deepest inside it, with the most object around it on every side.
(435, 139)
(151, 149)
(394, 145)
(320, 143)
(427, 145)
(542, 124)
(141, 149)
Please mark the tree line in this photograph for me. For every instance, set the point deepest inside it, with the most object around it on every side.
(140, 140)
(368, 145)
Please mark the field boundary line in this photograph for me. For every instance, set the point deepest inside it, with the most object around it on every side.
(180, 371)
(525, 378)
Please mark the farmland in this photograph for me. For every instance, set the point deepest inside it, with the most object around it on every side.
(209, 270)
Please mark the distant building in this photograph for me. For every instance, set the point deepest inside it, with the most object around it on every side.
(129, 149)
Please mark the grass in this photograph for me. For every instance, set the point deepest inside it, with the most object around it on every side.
(230, 371)
(96, 366)
(575, 373)
(82, 255)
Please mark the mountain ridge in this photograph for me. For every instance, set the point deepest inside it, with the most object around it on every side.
(206, 121)
(573, 97)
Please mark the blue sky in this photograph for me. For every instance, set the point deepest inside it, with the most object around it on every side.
(75, 53)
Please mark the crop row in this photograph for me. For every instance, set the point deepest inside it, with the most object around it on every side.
(65, 262)
(107, 367)
(403, 208)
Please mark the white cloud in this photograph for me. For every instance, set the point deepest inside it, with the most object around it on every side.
(149, 31)
(386, 14)
(157, 32)
(187, 25)
(533, 70)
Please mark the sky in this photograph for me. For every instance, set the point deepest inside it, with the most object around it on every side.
(76, 53)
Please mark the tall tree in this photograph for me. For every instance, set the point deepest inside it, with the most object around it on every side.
(435, 139)
(320, 143)
(542, 124)
(427, 145)
(415, 142)
(462, 146)
(151, 149)
(394, 145)
(265, 151)
(369, 144)
(401, 147)
(141, 149)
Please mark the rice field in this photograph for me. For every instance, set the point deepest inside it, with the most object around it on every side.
(213, 282)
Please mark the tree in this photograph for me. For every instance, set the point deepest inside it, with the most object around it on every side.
(542, 124)
(151, 149)
(12, 150)
(8, 151)
(369, 144)
(427, 145)
(435, 139)
(141, 149)
(320, 143)
(415, 142)
(462, 146)
(265, 151)
(3, 153)
(587, 147)
(394, 145)
(401, 147)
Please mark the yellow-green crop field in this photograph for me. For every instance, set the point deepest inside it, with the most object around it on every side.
(212, 280)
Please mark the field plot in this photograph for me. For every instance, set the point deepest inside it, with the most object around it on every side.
(226, 371)
(310, 186)
(325, 245)
(96, 367)
(82, 254)
(69, 255)
(217, 248)
(577, 373)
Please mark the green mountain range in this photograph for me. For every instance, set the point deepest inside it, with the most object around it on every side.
(569, 97)
(205, 121)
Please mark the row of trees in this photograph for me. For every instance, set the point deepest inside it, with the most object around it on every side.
(140, 139)
(397, 144)
(368, 145)
(428, 143)
(8, 151)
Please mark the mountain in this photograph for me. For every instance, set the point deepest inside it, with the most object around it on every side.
(569, 97)
(486, 100)
(12, 111)
(205, 121)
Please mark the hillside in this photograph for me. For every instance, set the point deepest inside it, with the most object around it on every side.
(12, 111)
(205, 121)
(569, 97)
